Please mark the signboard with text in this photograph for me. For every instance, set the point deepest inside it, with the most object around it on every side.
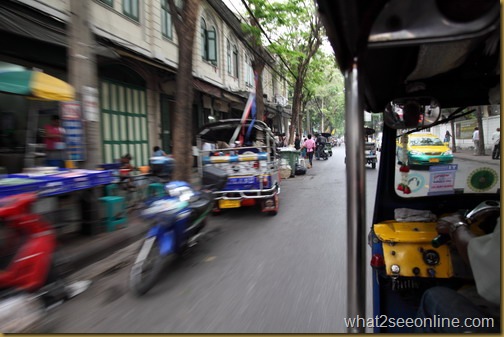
(442, 179)
(71, 121)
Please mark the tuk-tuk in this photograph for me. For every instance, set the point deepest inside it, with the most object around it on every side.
(247, 151)
(370, 148)
(428, 67)
(328, 144)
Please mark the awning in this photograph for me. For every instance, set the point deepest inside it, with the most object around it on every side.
(36, 84)
(207, 88)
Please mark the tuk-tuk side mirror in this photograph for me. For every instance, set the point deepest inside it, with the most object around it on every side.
(411, 112)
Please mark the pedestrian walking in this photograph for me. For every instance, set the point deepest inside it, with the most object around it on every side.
(297, 143)
(309, 145)
(496, 142)
(447, 136)
(476, 140)
(496, 135)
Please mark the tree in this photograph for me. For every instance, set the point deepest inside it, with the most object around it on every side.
(262, 12)
(481, 145)
(297, 46)
(295, 34)
(184, 19)
(324, 94)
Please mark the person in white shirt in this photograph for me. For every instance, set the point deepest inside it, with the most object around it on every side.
(476, 140)
(496, 142)
(482, 254)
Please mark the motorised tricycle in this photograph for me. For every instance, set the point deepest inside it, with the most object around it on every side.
(370, 148)
(428, 67)
(246, 150)
(328, 144)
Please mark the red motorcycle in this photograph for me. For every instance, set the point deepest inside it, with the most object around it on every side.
(29, 281)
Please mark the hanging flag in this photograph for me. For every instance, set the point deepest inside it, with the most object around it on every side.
(245, 116)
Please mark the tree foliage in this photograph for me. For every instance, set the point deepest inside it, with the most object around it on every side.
(324, 107)
(292, 30)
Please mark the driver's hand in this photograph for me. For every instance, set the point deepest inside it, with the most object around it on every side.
(443, 225)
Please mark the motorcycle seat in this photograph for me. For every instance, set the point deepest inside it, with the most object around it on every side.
(200, 205)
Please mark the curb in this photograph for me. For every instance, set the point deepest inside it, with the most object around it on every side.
(69, 263)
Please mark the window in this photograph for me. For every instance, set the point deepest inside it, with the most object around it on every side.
(108, 2)
(166, 20)
(249, 72)
(229, 60)
(235, 61)
(208, 43)
(130, 8)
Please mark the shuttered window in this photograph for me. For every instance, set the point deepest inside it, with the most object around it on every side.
(124, 122)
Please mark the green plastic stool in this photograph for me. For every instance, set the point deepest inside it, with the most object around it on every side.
(111, 190)
(155, 190)
(115, 211)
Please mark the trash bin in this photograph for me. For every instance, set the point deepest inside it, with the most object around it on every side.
(292, 156)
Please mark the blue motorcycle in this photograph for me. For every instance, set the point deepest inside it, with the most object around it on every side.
(178, 219)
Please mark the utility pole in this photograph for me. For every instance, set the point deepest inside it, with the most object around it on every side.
(83, 76)
(82, 70)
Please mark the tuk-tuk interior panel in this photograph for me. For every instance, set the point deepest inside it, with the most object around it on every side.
(452, 54)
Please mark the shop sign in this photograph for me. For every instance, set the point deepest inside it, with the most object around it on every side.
(71, 121)
(90, 103)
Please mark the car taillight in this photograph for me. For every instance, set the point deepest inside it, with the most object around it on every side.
(265, 181)
(256, 165)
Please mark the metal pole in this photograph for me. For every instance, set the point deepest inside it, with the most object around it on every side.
(356, 199)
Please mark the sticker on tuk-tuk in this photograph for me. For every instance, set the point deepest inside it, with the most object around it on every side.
(442, 179)
(416, 182)
(482, 179)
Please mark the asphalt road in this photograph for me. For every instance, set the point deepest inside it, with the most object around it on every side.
(254, 274)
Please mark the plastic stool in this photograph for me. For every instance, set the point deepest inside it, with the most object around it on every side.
(111, 190)
(115, 211)
(155, 190)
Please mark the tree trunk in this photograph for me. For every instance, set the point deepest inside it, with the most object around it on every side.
(479, 116)
(258, 66)
(182, 131)
(454, 143)
(296, 107)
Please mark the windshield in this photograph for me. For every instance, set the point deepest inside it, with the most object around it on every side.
(425, 141)
(449, 159)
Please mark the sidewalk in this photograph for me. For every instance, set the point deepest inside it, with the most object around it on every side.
(468, 154)
(77, 251)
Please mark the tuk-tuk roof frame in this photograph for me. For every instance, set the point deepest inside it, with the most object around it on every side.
(387, 66)
(214, 131)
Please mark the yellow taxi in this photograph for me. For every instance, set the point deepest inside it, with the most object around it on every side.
(425, 149)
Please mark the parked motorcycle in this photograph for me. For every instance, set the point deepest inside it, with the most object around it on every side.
(30, 283)
(178, 220)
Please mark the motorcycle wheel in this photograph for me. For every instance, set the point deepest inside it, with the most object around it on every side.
(146, 270)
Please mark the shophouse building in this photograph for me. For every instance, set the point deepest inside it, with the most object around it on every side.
(134, 53)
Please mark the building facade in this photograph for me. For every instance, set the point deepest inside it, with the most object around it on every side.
(135, 56)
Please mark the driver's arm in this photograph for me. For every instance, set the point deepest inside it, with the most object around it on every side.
(481, 253)
(459, 232)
